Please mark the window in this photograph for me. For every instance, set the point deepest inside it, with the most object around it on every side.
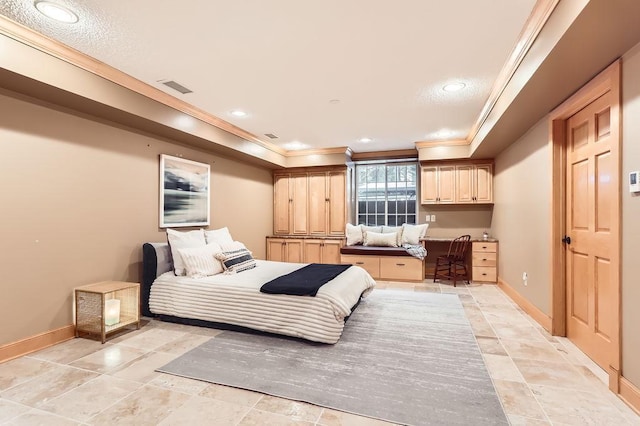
(386, 194)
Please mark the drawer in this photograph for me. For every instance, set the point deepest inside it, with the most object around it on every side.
(371, 264)
(484, 258)
(485, 273)
(402, 268)
(484, 247)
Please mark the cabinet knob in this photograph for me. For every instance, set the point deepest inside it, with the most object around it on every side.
(400, 264)
(359, 263)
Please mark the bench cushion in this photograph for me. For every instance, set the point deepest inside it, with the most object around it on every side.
(374, 251)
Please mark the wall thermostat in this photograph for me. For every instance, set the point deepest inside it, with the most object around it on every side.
(634, 182)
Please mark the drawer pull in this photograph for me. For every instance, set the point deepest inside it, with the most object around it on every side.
(484, 246)
(484, 273)
(359, 263)
(400, 264)
(484, 260)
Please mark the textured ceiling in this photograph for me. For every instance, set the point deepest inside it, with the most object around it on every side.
(322, 73)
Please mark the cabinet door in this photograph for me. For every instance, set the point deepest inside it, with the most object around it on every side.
(428, 185)
(275, 249)
(281, 204)
(484, 183)
(298, 211)
(294, 251)
(331, 251)
(465, 184)
(446, 184)
(318, 201)
(313, 251)
(337, 210)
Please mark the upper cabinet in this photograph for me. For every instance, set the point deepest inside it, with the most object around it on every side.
(310, 203)
(463, 183)
(437, 184)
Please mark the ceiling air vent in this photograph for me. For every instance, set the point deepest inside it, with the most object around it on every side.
(177, 86)
(271, 135)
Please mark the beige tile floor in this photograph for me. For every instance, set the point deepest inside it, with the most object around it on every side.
(541, 380)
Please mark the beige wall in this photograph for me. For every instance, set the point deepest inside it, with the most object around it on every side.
(453, 221)
(522, 215)
(630, 216)
(79, 197)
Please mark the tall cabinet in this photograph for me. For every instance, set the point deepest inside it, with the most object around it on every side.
(310, 204)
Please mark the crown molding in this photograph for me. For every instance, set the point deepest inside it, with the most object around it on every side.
(320, 151)
(385, 155)
(534, 24)
(431, 144)
(74, 57)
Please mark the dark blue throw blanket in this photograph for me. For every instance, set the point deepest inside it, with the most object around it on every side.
(305, 281)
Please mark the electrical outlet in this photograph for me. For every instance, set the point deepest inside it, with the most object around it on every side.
(433, 218)
(428, 219)
(525, 278)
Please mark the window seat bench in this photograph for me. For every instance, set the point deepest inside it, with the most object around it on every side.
(384, 263)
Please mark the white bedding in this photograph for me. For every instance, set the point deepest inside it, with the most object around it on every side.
(236, 299)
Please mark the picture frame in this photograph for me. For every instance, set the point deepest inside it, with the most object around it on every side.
(184, 192)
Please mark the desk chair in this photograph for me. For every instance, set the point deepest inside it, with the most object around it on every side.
(452, 266)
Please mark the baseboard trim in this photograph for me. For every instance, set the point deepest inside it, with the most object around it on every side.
(630, 394)
(541, 318)
(35, 343)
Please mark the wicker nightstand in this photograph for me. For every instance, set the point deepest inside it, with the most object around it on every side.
(105, 307)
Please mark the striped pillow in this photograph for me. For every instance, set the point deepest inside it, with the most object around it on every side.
(235, 261)
(200, 262)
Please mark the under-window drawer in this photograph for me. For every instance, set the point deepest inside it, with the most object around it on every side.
(485, 274)
(484, 259)
(371, 264)
(484, 246)
(401, 268)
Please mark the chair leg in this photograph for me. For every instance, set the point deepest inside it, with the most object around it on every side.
(435, 272)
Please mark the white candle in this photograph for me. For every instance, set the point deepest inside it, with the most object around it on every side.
(111, 311)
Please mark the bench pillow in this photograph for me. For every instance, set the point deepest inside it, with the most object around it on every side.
(411, 234)
(354, 234)
(380, 240)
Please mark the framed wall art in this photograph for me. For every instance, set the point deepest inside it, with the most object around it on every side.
(184, 192)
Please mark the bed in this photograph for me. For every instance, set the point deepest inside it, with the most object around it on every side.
(236, 299)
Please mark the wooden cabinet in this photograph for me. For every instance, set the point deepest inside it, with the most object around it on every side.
(474, 183)
(285, 250)
(304, 250)
(460, 183)
(437, 184)
(310, 203)
(290, 204)
(484, 261)
(322, 251)
(392, 268)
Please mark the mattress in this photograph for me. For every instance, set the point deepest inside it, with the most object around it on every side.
(236, 299)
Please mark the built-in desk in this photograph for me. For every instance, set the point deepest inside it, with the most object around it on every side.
(482, 257)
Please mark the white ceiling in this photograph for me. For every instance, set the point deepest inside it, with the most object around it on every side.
(285, 62)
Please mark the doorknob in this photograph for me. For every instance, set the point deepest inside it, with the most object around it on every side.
(566, 239)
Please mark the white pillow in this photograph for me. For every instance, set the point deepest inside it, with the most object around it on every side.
(220, 236)
(380, 240)
(411, 234)
(394, 230)
(179, 240)
(233, 245)
(201, 262)
(354, 234)
(366, 228)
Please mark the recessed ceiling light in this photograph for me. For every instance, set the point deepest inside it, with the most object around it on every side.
(334, 101)
(365, 140)
(295, 145)
(454, 87)
(56, 12)
(238, 113)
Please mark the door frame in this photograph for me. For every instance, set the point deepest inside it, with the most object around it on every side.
(607, 81)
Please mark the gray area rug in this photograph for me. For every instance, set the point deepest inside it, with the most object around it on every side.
(405, 357)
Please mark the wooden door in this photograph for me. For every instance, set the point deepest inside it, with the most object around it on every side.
(592, 292)
(312, 251)
(428, 184)
(337, 203)
(331, 251)
(298, 211)
(281, 204)
(275, 250)
(447, 184)
(465, 184)
(318, 200)
(294, 251)
(483, 183)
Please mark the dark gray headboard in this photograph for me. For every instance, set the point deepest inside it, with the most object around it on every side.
(156, 260)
